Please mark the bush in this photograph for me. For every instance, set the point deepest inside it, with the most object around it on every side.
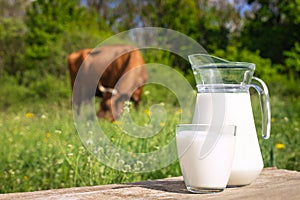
(48, 88)
(11, 92)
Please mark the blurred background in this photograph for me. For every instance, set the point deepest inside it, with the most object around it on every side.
(39, 147)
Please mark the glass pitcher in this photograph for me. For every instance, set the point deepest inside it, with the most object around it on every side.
(223, 98)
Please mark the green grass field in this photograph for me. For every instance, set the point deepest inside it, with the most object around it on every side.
(40, 148)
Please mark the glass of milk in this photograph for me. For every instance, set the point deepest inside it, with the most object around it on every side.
(205, 154)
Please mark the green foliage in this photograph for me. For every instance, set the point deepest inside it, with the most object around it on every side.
(49, 87)
(12, 31)
(13, 9)
(164, 15)
(45, 21)
(212, 25)
(278, 82)
(11, 92)
(292, 62)
(55, 29)
(273, 29)
(264, 68)
(75, 38)
(292, 10)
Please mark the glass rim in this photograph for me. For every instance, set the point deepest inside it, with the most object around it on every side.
(222, 125)
(196, 127)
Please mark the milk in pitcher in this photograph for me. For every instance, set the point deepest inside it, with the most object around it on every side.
(223, 98)
(233, 108)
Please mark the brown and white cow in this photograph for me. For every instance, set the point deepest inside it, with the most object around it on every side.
(117, 71)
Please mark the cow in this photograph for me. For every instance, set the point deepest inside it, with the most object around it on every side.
(118, 71)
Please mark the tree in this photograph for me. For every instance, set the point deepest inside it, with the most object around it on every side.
(274, 28)
(212, 23)
(13, 8)
(12, 44)
(12, 31)
(103, 8)
(292, 62)
(52, 26)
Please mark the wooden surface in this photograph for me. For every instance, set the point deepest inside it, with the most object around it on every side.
(271, 184)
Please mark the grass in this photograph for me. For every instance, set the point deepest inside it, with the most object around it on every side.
(283, 148)
(41, 149)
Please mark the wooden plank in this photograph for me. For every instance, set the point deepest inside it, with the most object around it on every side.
(271, 184)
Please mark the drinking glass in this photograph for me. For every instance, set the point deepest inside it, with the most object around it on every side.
(205, 154)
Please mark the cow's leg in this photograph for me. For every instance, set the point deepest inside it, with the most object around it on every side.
(101, 112)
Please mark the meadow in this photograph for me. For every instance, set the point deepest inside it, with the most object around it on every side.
(41, 149)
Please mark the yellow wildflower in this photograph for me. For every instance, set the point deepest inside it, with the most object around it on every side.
(116, 122)
(279, 146)
(272, 119)
(29, 115)
(147, 112)
(25, 178)
(178, 112)
(162, 124)
(45, 140)
(48, 135)
(133, 155)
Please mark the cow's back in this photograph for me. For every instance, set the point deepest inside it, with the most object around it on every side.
(75, 60)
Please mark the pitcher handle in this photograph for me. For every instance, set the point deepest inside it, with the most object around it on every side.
(264, 106)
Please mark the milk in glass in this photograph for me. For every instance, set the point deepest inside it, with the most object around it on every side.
(204, 168)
